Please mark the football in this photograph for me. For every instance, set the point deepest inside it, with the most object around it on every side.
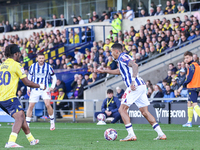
(110, 134)
(101, 117)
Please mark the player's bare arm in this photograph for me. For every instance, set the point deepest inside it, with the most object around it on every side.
(134, 67)
(32, 84)
(115, 72)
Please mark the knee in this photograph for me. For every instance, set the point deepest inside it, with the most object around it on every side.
(122, 109)
(31, 106)
(48, 105)
(144, 113)
(20, 116)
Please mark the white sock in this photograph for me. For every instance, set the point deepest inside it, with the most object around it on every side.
(129, 129)
(51, 118)
(157, 128)
(28, 120)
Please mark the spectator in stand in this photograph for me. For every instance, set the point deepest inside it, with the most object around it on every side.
(168, 5)
(63, 21)
(143, 13)
(102, 16)
(42, 22)
(111, 63)
(116, 24)
(75, 20)
(151, 12)
(62, 105)
(120, 92)
(174, 85)
(150, 91)
(129, 14)
(83, 81)
(74, 83)
(172, 67)
(8, 27)
(58, 64)
(51, 62)
(78, 93)
(181, 78)
(60, 84)
(157, 93)
(95, 15)
(81, 21)
(169, 93)
(169, 78)
(185, 4)
(106, 18)
(93, 79)
(174, 6)
(153, 52)
(21, 27)
(196, 58)
(55, 22)
(159, 12)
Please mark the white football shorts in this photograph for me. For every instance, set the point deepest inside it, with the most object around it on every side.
(35, 95)
(139, 97)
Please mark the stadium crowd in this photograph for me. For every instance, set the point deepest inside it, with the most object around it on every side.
(151, 39)
(38, 23)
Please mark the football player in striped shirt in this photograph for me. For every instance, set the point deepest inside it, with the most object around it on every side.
(41, 72)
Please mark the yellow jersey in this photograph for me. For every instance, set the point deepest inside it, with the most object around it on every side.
(10, 72)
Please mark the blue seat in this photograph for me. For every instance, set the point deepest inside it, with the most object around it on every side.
(39, 108)
(184, 93)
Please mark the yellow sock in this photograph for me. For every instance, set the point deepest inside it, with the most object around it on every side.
(30, 137)
(197, 109)
(190, 114)
(13, 137)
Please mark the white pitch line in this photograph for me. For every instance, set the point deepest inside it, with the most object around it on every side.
(104, 129)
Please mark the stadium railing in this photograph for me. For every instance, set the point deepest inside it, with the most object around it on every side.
(54, 20)
(160, 100)
(121, 12)
(190, 5)
(150, 59)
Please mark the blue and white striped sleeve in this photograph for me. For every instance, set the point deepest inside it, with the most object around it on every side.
(124, 59)
(31, 70)
(51, 72)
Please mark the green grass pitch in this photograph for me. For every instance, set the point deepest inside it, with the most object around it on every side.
(86, 136)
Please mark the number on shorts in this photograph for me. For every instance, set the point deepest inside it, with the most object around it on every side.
(124, 96)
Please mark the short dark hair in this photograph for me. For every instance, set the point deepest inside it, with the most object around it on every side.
(11, 50)
(188, 53)
(40, 53)
(117, 46)
(171, 64)
(109, 91)
(164, 80)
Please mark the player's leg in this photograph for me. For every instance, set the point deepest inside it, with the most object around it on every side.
(14, 108)
(152, 121)
(29, 136)
(34, 98)
(29, 112)
(190, 114)
(128, 99)
(50, 112)
(126, 119)
(142, 103)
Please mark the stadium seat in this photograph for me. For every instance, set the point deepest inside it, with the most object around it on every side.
(39, 108)
(184, 93)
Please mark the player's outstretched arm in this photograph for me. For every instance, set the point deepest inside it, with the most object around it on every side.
(32, 84)
(115, 72)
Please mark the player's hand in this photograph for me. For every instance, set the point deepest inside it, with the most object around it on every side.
(133, 87)
(179, 90)
(51, 89)
(42, 87)
(28, 91)
(100, 71)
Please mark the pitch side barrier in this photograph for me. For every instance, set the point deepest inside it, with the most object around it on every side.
(174, 112)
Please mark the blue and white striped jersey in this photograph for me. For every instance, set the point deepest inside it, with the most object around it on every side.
(40, 74)
(126, 71)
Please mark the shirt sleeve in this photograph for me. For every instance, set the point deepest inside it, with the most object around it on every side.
(125, 59)
(31, 70)
(20, 71)
(51, 72)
